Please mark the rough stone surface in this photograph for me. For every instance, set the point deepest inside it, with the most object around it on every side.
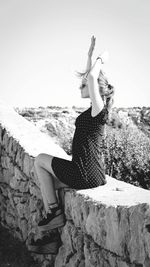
(108, 226)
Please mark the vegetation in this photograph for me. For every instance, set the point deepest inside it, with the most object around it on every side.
(127, 155)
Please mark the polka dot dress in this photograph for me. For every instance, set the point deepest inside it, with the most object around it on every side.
(86, 169)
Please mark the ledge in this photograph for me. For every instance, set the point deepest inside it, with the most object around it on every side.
(116, 216)
(29, 137)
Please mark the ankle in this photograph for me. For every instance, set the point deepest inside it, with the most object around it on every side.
(53, 207)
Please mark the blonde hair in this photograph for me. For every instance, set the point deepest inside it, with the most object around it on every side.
(106, 90)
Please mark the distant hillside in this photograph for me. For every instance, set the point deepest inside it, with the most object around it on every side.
(57, 122)
(139, 116)
(47, 119)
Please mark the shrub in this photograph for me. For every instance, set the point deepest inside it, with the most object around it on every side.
(63, 128)
(127, 155)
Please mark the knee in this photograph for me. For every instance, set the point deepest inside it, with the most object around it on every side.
(43, 161)
(38, 160)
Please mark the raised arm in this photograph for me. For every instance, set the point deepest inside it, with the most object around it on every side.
(90, 53)
(91, 74)
(97, 102)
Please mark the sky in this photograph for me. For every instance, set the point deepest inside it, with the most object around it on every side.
(43, 43)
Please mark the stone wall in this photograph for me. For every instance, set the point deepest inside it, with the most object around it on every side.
(108, 226)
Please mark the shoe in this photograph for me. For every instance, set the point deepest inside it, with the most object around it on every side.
(46, 245)
(52, 221)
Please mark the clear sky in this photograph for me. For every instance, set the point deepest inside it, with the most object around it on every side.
(44, 42)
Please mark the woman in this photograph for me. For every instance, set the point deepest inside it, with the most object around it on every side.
(86, 169)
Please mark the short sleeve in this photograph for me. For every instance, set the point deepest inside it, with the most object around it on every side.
(100, 118)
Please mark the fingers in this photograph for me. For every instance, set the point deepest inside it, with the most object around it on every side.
(93, 39)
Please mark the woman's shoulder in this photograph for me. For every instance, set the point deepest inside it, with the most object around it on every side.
(84, 116)
(101, 117)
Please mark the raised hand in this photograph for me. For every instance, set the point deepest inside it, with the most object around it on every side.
(95, 69)
(92, 45)
(104, 57)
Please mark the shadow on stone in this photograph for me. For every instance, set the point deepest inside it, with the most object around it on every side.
(12, 252)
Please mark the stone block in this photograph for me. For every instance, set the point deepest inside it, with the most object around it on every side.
(20, 176)
(44, 261)
(96, 256)
(78, 210)
(3, 207)
(2, 216)
(7, 175)
(5, 140)
(9, 149)
(19, 157)
(23, 226)
(71, 252)
(11, 200)
(20, 197)
(23, 210)
(10, 208)
(22, 186)
(14, 148)
(34, 190)
(4, 161)
(123, 229)
(18, 234)
(2, 199)
(79, 249)
(4, 189)
(35, 204)
(10, 220)
(33, 221)
(14, 183)
(139, 223)
(17, 199)
(28, 163)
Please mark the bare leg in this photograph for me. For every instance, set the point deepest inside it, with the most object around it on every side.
(47, 184)
(48, 180)
(44, 198)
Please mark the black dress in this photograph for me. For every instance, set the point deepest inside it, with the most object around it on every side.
(86, 169)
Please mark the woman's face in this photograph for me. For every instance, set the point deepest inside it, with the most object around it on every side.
(84, 89)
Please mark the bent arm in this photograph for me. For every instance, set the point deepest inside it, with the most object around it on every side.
(97, 102)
